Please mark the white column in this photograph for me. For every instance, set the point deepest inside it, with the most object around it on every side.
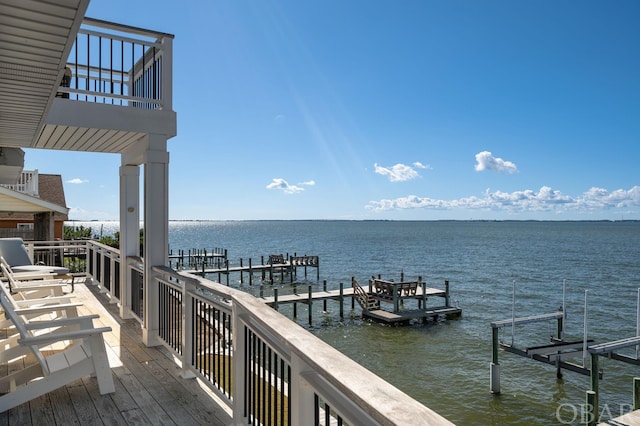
(301, 400)
(156, 229)
(129, 230)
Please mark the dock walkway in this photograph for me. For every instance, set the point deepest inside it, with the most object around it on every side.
(276, 265)
(421, 294)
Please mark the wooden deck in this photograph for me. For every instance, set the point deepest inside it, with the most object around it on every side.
(149, 390)
(630, 419)
(418, 314)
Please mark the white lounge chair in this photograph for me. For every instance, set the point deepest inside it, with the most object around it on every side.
(31, 300)
(15, 253)
(78, 360)
(41, 287)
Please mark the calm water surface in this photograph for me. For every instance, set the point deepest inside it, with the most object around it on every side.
(446, 365)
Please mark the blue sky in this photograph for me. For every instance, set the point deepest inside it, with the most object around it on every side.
(401, 110)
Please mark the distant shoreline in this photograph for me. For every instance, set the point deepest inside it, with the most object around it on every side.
(375, 220)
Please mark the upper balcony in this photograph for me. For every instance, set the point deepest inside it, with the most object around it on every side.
(81, 84)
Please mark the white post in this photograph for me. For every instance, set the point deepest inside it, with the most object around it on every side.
(494, 370)
(167, 73)
(129, 229)
(188, 288)
(238, 375)
(301, 400)
(156, 229)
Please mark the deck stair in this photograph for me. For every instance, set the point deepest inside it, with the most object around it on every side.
(362, 297)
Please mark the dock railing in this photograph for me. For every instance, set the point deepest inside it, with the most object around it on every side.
(266, 368)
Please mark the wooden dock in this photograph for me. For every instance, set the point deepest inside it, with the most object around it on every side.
(285, 268)
(396, 316)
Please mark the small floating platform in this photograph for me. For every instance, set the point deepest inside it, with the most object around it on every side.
(396, 295)
(406, 316)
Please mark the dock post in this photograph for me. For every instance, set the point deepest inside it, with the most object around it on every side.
(295, 310)
(324, 301)
(261, 291)
(636, 393)
(446, 293)
(560, 337)
(495, 365)
(592, 395)
(310, 291)
(591, 409)
(396, 305)
(401, 276)
(423, 301)
(275, 299)
(341, 300)
(241, 274)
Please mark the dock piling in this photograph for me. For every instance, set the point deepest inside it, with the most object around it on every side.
(447, 300)
(495, 365)
(275, 299)
(324, 302)
(310, 304)
(341, 300)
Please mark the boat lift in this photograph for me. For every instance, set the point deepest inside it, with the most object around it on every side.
(558, 351)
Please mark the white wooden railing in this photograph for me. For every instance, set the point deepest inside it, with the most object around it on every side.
(118, 64)
(27, 183)
(266, 368)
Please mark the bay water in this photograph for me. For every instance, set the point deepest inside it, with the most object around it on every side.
(495, 269)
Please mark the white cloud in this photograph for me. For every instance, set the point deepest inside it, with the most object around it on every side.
(308, 183)
(399, 172)
(283, 185)
(486, 161)
(545, 199)
(76, 181)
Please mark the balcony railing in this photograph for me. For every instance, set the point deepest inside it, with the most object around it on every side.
(27, 183)
(121, 65)
(266, 368)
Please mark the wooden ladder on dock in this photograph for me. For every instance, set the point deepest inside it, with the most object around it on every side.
(367, 303)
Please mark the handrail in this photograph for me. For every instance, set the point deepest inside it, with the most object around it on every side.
(320, 371)
(363, 297)
(119, 64)
(239, 347)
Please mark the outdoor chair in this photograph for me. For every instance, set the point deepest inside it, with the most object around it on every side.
(15, 253)
(41, 286)
(37, 302)
(85, 355)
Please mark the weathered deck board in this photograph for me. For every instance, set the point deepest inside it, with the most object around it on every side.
(629, 419)
(149, 389)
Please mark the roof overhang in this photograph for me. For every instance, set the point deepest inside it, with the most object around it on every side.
(35, 40)
(14, 201)
(11, 164)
